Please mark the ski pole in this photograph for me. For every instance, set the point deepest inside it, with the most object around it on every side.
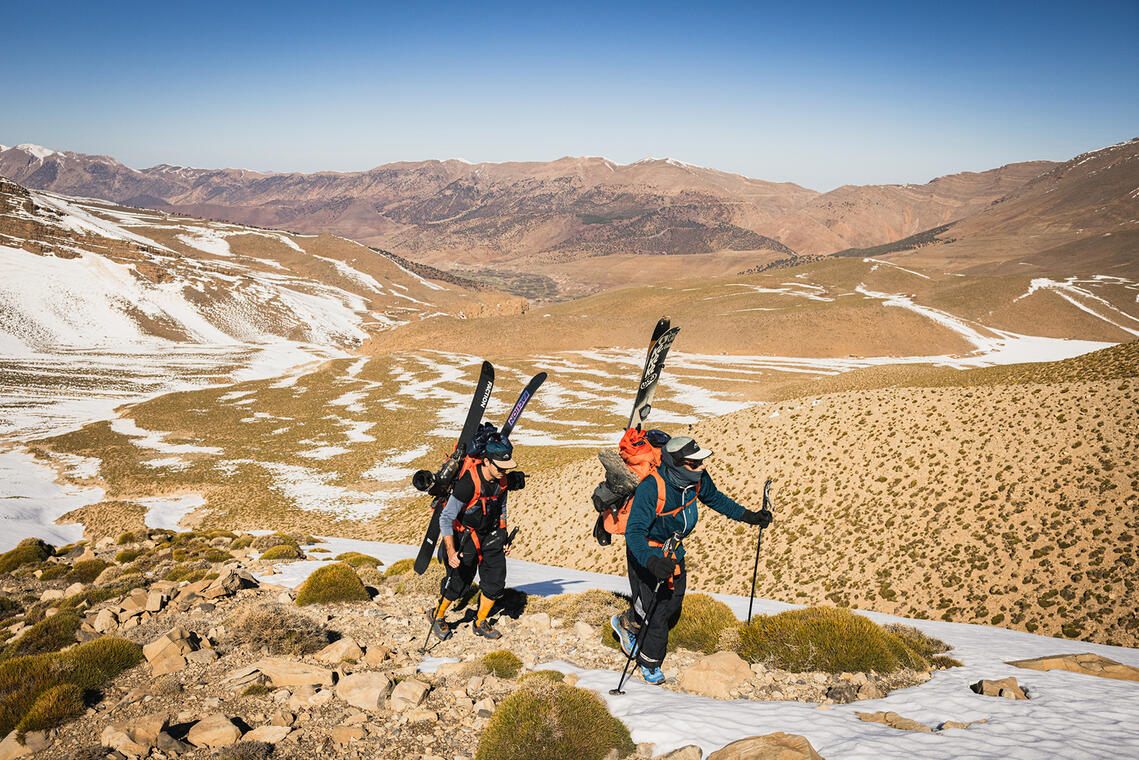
(669, 548)
(758, 543)
(431, 622)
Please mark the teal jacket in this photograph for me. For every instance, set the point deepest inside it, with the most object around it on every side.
(645, 524)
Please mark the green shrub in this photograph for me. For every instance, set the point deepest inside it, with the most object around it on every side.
(128, 555)
(215, 555)
(27, 552)
(281, 630)
(546, 675)
(54, 572)
(52, 708)
(925, 645)
(428, 583)
(187, 572)
(63, 551)
(357, 560)
(332, 583)
(87, 666)
(702, 620)
(244, 750)
(942, 662)
(126, 538)
(256, 690)
(262, 543)
(9, 607)
(400, 567)
(594, 606)
(283, 551)
(502, 663)
(544, 720)
(87, 570)
(241, 542)
(830, 639)
(48, 635)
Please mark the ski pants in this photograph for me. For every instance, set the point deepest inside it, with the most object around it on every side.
(653, 637)
(492, 569)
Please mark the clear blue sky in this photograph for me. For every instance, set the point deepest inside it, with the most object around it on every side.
(818, 93)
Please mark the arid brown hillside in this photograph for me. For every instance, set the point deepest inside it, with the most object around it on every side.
(537, 217)
(1007, 497)
(1079, 218)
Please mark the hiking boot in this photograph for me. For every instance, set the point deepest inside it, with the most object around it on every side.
(440, 627)
(652, 675)
(625, 637)
(486, 630)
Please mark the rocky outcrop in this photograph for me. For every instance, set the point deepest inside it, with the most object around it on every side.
(1005, 687)
(1087, 663)
(777, 746)
(716, 675)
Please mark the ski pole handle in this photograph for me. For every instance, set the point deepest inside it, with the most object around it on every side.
(767, 495)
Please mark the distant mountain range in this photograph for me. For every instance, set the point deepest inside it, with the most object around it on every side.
(471, 214)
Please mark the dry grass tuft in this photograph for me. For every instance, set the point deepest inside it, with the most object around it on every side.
(702, 621)
(830, 639)
(358, 560)
(283, 551)
(279, 629)
(502, 663)
(28, 552)
(48, 635)
(544, 720)
(332, 583)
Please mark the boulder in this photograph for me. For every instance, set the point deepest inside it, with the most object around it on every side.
(715, 675)
(408, 694)
(893, 720)
(145, 730)
(170, 745)
(51, 595)
(366, 691)
(228, 583)
(215, 730)
(340, 650)
(116, 737)
(484, 708)
(539, 621)
(269, 734)
(1087, 663)
(584, 631)
(421, 715)
(842, 693)
(870, 690)
(1004, 687)
(105, 621)
(690, 752)
(73, 589)
(135, 601)
(202, 656)
(343, 735)
(11, 748)
(155, 601)
(176, 641)
(285, 672)
(777, 746)
(171, 663)
(376, 654)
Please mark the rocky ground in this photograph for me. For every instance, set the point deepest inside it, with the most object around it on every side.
(211, 679)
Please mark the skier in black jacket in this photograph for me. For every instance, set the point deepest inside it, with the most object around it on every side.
(684, 477)
(473, 528)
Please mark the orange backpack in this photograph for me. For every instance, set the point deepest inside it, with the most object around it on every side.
(643, 459)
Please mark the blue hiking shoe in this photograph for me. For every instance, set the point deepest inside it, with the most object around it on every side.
(626, 638)
(652, 675)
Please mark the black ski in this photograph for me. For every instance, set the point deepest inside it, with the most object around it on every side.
(662, 339)
(523, 398)
(441, 487)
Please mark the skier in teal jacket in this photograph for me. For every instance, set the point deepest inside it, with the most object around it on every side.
(686, 482)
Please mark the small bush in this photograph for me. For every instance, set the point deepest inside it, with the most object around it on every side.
(545, 675)
(283, 551)
(925, 645)
(49, 635)
(428, 583)
(9, 607)
(189, 572)
(87, 666)
(263, 543)
(127, 556)
(357, 560)
(502, 663)
(28, 552)
(702, 620)
(594, 607)
(87, 570)
(126, 538)
(242, 542)
(256, 690)
(829, 639)
(52, 708)
(544, 720)
(400, 567)
(54, 572)
(280, 629)
(332, 583)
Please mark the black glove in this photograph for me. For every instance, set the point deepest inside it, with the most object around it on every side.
(661, 567)
(762, 518)
(515, 480)
(423, 479)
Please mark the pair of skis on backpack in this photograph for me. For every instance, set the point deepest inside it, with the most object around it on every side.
(473, 434)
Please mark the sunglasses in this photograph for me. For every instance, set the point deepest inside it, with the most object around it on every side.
(694, 463)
